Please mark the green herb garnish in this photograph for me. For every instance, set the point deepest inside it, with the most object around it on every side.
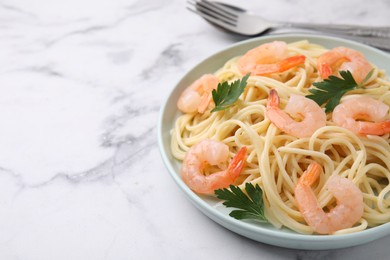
(332, 89)
(250, 207)
(226, 94)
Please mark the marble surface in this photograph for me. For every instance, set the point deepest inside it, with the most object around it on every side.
(82, 82)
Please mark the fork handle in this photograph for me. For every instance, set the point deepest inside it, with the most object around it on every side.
(355, 30)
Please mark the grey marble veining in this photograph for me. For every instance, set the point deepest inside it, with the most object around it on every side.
(81, 86)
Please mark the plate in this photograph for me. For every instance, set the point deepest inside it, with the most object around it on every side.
(265, 233)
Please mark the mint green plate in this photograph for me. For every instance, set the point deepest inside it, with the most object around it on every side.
(257, 231)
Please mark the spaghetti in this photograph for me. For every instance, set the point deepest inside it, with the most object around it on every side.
(276, 160)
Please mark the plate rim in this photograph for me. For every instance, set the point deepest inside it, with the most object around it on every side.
(249, 229)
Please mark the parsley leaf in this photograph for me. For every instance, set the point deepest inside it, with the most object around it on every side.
(226, 94)
(332, 89)
(250, 207)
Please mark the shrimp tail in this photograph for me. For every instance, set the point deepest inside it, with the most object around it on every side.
(306, 199)
(379, 128)
(291, 62)
(281, 66)
(273, 99)
(311, 174)
(237, 163)
(385, 126)
(277, 116)
(324, 70)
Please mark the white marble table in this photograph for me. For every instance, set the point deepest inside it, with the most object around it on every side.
(81, 85)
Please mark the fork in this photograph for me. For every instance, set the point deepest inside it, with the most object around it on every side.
(239, 21)
(245, 23)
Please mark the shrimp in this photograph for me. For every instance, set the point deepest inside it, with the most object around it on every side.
(197, 97)
(345, 214)
(351, 113)
(342, 58)
(213, 153)
(311, 114)
(268, 58)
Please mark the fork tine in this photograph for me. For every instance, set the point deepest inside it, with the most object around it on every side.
(219, 8)
(212, 19)
(211, 14)
(204, 7)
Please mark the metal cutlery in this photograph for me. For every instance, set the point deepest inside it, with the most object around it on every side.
(239, 21)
